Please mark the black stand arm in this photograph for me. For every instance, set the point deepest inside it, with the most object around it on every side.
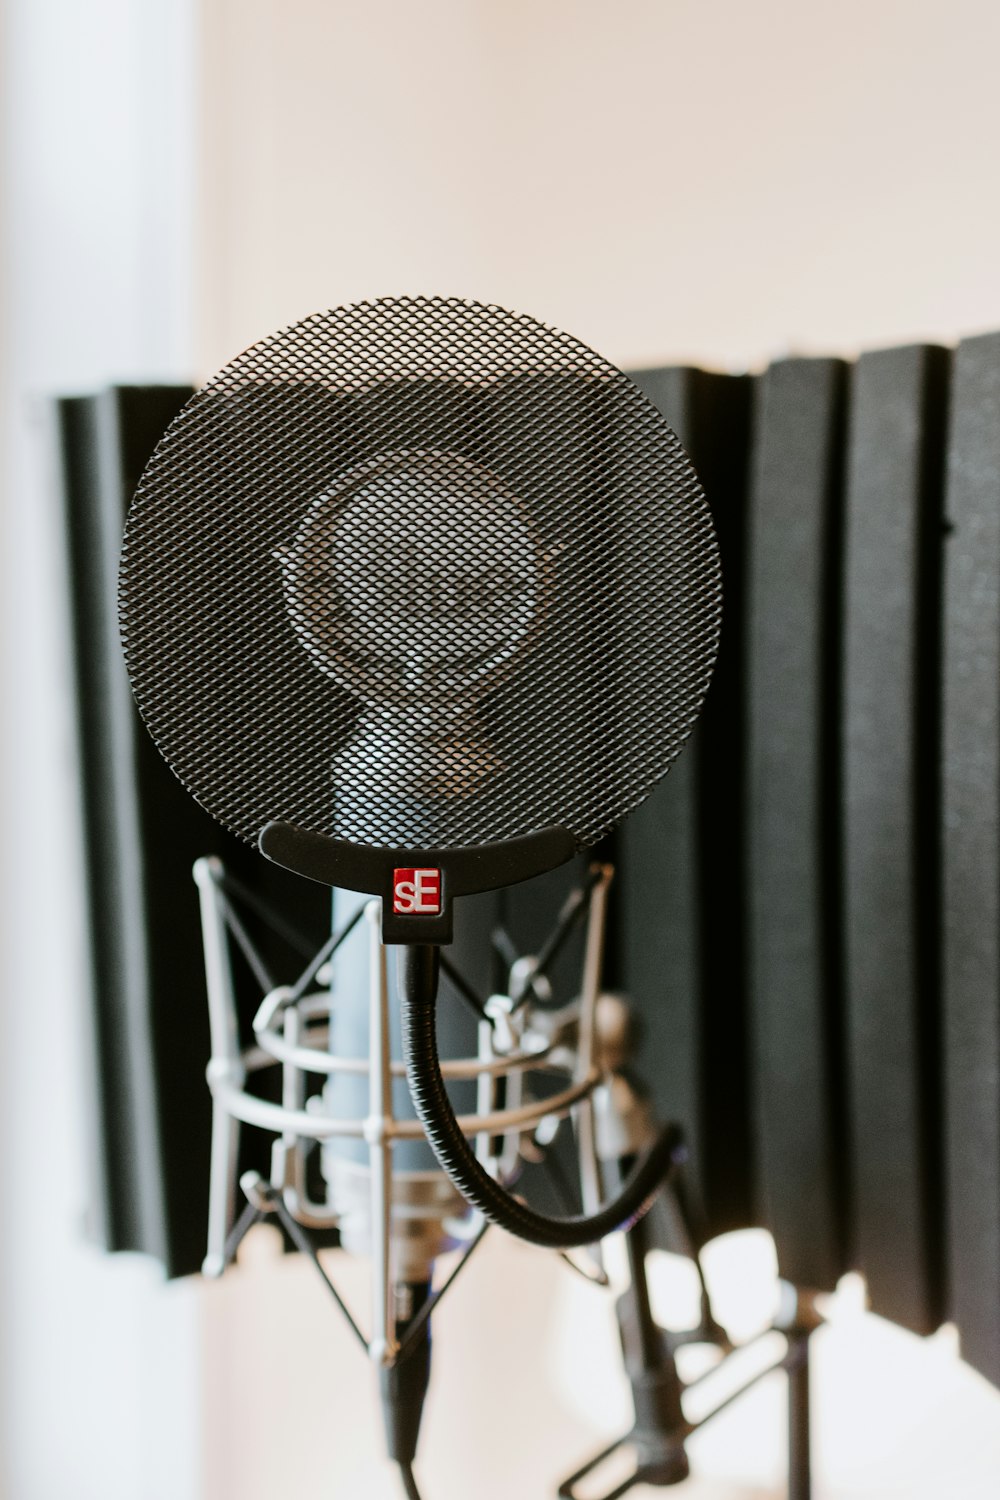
(658, 1434)
(660, 1430)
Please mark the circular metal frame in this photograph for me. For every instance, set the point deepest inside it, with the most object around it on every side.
(420, 573)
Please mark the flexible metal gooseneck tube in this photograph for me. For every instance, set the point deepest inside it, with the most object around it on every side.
(418, 981)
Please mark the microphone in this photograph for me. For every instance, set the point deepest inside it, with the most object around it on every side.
(472, 603)
(422, 597)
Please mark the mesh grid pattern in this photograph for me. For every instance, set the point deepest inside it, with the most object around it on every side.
(420, 572)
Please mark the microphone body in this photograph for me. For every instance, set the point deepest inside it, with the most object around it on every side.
(424, 1202)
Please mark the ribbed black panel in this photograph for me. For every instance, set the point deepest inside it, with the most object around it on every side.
(719, 442)
(657, 895)
(95, 496)
(680, 899)
(793, 856)
(528, 911)
(891, 743)
(142, 833)
(113, 1197)
(972, 851)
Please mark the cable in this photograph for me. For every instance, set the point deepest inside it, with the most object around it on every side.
(409, 1483)
(418, 974)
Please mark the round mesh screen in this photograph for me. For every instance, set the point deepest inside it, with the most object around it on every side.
(420, 572)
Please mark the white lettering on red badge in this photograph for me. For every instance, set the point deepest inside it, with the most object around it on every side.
(416, 892)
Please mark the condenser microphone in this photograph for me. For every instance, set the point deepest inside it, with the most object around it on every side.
(475, 591)
(422, 597)
(496, 618)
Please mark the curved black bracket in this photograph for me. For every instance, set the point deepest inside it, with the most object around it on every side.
(389, 873)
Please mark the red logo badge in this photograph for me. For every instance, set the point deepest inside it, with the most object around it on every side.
(416, 892)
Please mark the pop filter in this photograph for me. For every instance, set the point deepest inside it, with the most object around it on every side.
(423, 596)
(424, 585)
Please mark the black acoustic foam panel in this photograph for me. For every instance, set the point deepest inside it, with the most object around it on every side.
(793, 856)
(111, 1207)
(891, 828)
(680, 898)
(131, 1210)
(141, 836)
(657, 894)
(971, 854)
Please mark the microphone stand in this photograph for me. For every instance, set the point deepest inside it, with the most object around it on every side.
(518, 1031)
(660, 1429)
(400, 1342)
(403, 1384)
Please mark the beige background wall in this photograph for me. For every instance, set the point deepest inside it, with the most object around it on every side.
(669, 179)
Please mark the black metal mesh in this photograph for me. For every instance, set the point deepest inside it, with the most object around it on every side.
(420, 572)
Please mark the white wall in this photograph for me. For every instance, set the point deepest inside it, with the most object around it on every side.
(98, 1361)
(668, 179)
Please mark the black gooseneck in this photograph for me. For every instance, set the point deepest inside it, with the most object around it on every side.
(418, 982)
